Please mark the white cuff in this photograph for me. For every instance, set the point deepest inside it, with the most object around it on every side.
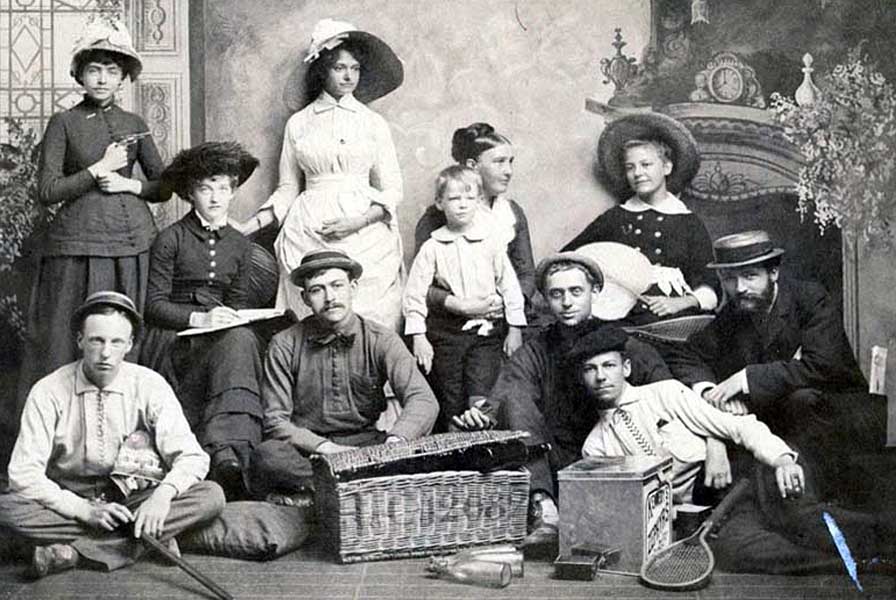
(744, 384)
(706, 297)
(702, 386)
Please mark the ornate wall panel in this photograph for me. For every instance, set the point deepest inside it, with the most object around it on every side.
(36, 37)
(157, 27)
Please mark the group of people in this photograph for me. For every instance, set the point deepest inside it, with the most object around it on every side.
(236, 412)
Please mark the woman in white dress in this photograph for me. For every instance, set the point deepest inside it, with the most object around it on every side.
(340, 182)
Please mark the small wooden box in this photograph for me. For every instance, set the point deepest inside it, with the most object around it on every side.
(623, 503)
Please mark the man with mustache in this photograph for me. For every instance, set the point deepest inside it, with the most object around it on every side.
(322, 390)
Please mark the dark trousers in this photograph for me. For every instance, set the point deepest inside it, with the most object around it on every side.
(769, 534)
(280, 467)
(464, 364)
(548, 421)
(39, 525)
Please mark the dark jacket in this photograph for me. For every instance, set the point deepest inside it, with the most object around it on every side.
(538, 391)
(91, 222)
(803, 317)
(194, 270)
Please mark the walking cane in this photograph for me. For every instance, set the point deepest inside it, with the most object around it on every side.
(187, 567)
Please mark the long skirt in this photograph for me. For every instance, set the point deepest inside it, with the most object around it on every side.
(216, 379)
(60, 286)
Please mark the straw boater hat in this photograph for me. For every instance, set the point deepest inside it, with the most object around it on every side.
(741, 249)
(107, 298)
(317, 260)
(111, 36)
(647, 126)
(381, 72)
(207, 160)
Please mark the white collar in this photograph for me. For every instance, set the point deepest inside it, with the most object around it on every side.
(327, 102)
(476, 233)
(670, 205)
(209, 225)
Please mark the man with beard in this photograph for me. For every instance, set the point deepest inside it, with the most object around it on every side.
(778, 349)
(536, 390)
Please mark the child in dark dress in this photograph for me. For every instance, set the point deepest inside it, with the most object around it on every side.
(652, 156)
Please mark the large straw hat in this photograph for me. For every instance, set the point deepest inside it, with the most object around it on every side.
(381, 73)
(646, 126)
(111, 36)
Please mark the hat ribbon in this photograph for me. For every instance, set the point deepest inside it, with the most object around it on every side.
(112, 33)
(328, 44)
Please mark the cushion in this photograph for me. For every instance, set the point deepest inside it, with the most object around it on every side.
(251, 531)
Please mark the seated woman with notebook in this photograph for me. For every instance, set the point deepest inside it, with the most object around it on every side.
(199, 278)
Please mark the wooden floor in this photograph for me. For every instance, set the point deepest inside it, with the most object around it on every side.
(307, 574)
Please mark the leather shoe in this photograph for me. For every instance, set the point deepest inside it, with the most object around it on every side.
(229, 475)
(545, 534)
(54, 558)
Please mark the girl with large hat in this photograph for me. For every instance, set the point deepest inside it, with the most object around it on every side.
(199, 278)
(646, 159)
(100, 236)
(340, 182)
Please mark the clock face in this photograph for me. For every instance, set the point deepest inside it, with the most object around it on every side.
(726, 84)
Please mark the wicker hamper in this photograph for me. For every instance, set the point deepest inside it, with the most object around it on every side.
(420, 513)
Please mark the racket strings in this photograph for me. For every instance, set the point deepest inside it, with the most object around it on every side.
(681, 564)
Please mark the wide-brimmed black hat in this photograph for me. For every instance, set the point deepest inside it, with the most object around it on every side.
(651, 127)
(207, 160)
(608, 338)
(317, 260)
(590, 265)
(741, 249)
(107, 298)
(381, 73)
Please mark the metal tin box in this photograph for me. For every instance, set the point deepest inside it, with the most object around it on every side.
(623, 502)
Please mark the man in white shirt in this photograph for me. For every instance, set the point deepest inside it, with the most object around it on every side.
(666, 418)
(61, 497)
(780, 526)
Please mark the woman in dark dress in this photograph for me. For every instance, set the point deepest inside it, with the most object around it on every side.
(100, 236)
(652, 155)
(490, 154)
(199, 278)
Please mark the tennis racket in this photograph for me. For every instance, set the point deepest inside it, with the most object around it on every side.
(676, 329)
(688, 564)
